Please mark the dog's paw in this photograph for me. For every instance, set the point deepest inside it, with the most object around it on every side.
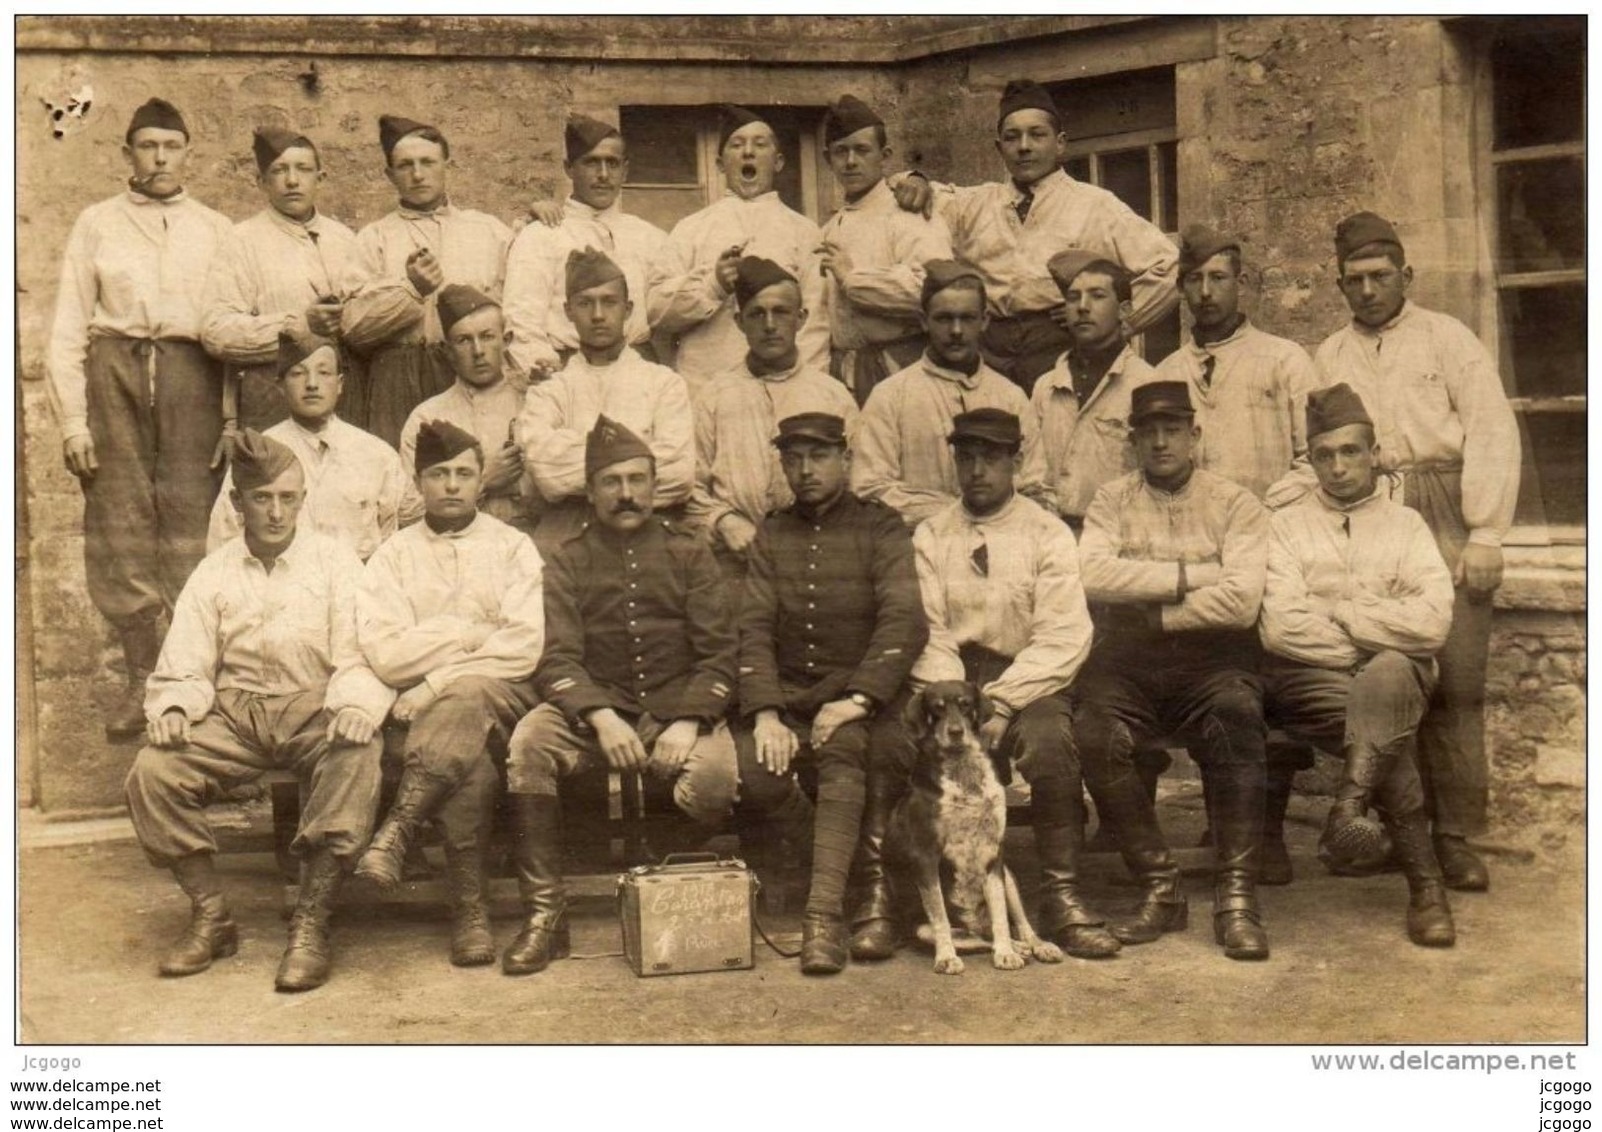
(1043, 952)
(948, 965)
(1006, 959)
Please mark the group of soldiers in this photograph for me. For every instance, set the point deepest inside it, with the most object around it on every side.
(449, 488)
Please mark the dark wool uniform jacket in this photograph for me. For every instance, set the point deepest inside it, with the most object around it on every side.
(831, 606)
(637, 623)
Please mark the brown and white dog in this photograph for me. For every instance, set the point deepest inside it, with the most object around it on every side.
(956, 811)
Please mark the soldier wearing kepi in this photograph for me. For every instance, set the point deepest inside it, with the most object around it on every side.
(606, 377)
(692, 281)
(449, 613)
(873, 254)
(1444, 423)
(357, 490)
(637, 676)
(278, 272)
(401, 262)
(830, 626)
(482, 400)
(261, 670)
(137, 399)
(1173, 560)
(738, 478)
(543, 335)
(1356, 604)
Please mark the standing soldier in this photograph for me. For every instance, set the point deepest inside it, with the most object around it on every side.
(400, 263)
(278, 272)
(873, 255)
(137, 399)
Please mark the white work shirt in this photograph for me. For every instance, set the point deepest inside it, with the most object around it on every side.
(1087, 445)
(881, 299)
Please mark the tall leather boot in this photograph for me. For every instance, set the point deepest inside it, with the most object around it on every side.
(141, 645)
(1429, 915)
(1127, 809)
(306, 959)
(1237, 841)
(1059, 840)
(211, 932)
(416, 799)
(1274, 865)
(537, 853)
(1349, 833)
(873, 924)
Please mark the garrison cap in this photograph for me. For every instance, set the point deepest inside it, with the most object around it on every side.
(590, 267)
(1160, 399)
(259, 460)
(611, 443)
(438, 441)
(846, 116)
(1198, 243)
(993, 426)
(296, 348)
(270, 141)
(392, 128)
(457, 301)
(1359, 231)
(584, 133)
(157, 114)
(1025, 94)
(826, 428)
(753, 275)
(1066, 265)
(1333, 408)
(938, 274)
(736, 118)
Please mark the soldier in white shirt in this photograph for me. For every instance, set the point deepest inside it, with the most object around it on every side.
(137, 399)
(261, 670)
(278, 271)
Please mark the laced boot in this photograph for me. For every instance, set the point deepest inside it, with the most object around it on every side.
(823, 944)
(141, 645)
(873, 925)
(211, 932)
(306, 959)
(537, 854)
(1349, 833)
(472, 944)
(1237, 840)
(416, 799)
(1274, 863)
(1064, 919)
(1429, 915)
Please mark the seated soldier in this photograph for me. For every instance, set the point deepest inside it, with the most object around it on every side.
(830, 626)
(261, 670)
(737, 475)
(449, 613)
(1173, 561)
(357, 490)
(1000, 584)
(637, 677)
(1358, 600)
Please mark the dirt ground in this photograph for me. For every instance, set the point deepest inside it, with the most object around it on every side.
(94, 918)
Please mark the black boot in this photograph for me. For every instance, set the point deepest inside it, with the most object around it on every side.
(1462, 867)
(873, 924)
(141, 645)
(1349, 833)
(1059, 833)
(1237, 840)
(823, 944)
(537, 853)
(416, 799)
(1429, 916)
(306, 959)
(211, 933)
(1126, 805)
(1274, 863)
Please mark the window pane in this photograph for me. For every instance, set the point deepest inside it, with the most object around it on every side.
(1541, 215)
(1168, 157)
(1552, 487)
(1538, 76)
(1126, 173)
(661, 143)
(1078, 168)
(1543, 329)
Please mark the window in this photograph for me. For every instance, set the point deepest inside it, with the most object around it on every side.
(1122, 136)
(673, 159)
(1533, 190)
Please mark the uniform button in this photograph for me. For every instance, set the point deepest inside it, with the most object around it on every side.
(811, 605)
(810, 586)
(639, 660)
(639, 676)
(809, 624)
(817, 528)
(632, 586)
(811, 648)
(814, 546)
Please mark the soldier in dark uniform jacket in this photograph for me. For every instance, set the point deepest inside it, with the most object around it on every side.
(830, 626)
(638, 672)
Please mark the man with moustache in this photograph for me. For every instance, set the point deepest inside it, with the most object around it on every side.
(278, 272)
(137, 399)
(357, 490)
(1009, 231)
(597, 164)
(606, 377)
(260, 671)
(901, 458)
(692, 281)
(482, 400)
(637, 676)
(873, 255)
(738, 474)
(449, 614)
(401, 262)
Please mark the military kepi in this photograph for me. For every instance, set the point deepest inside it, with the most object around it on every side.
(1360, 230)
(270, 141)
(846, 116)
(753, 275)
(392, 128)
(258, 460)
(588, 268)
(584, 133)
(938, 274)
(992, 426)
(825, 428)
(1198, 243)
(457, 301)
(1025, 94)
(1160, 399)
(438, 441)
(156, 114)
(611, 443)
(1333, 408)
(296, 348)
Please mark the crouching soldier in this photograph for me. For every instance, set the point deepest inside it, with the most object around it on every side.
(261, 670)
(637, 677)
(1358, 600)
(830, 626)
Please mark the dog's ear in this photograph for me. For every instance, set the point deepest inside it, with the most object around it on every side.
(986, 709)
(913, 717)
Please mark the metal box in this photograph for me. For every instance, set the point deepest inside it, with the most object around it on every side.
(690, 913)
